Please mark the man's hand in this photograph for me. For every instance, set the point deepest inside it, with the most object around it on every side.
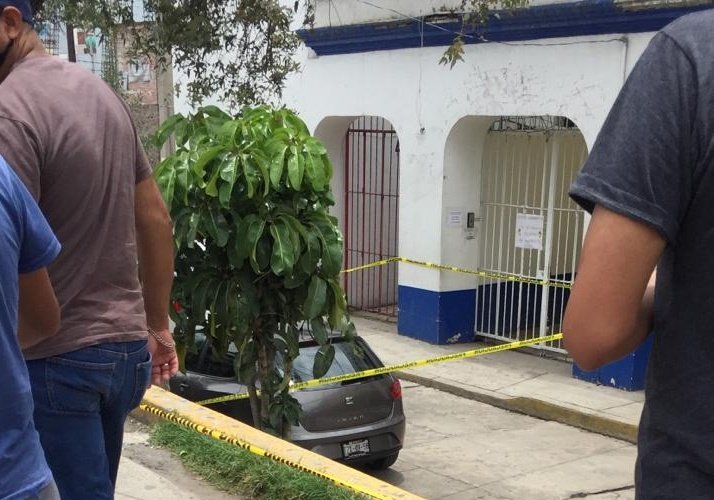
(164, 359)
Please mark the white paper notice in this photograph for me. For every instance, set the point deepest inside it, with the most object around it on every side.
(529, 231)
(455, 218)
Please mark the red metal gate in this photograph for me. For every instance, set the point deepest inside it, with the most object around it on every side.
(371, 213)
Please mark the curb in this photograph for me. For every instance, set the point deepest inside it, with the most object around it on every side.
(536, 408)
(159, 405)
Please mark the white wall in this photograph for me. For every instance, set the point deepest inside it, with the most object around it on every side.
(575, 77)
(579, 79)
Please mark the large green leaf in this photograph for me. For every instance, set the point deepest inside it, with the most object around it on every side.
(315, 171)
(294, 174)
(250, 172)
(218, 227)
(166, 179)
(167, 128)
(316, 298)
(282, 259)
(260, 261)
(192, 229)
(315, 147)
(319, 332)
(264, 167)
(254, 233)
(338, 303)
(312, 252)
(277, 165)
(230, 169)
(323, 360)
(211, 188)
(332, 257)
(199, 167)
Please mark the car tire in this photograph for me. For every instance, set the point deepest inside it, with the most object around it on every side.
(384, 463)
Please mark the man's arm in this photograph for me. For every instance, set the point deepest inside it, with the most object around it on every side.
(154, 237)
(39, 313)
(609, 312)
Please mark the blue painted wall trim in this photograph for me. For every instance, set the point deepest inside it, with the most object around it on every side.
(437, 317)
(587, 17)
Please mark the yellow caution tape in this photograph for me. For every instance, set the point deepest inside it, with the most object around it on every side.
(202, 420)
(480, 273)
(393, 368)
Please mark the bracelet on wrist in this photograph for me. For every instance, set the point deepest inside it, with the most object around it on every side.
(168, 344)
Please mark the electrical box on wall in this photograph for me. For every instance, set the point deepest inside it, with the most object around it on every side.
(470, 229)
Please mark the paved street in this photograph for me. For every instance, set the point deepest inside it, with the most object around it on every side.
(458, 449)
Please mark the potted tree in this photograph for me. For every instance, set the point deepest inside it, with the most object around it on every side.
(257, 253)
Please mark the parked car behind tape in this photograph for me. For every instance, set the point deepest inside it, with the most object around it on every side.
(356, 422)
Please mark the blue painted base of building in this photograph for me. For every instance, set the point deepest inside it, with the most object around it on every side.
(628, 373)
(437, 317)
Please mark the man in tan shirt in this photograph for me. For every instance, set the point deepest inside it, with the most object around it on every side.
(72, 141)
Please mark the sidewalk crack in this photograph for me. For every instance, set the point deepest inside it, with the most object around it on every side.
(600, 492)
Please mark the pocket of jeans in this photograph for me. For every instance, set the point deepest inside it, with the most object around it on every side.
(77, 386)
(142, 380)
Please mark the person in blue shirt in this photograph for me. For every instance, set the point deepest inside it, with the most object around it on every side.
(28, 314)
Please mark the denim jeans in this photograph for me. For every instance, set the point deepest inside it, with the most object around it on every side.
(82, 399)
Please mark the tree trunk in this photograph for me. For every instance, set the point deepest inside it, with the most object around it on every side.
(254, 403)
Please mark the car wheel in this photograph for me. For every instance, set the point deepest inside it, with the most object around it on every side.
(384, 463)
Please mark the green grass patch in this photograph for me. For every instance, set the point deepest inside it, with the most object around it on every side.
(238, 471)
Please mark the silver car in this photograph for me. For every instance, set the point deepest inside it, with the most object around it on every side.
(358, 422)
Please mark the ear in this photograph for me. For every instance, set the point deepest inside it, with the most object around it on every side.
(14, 24)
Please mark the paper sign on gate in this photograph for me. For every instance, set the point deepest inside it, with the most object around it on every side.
(529, 231)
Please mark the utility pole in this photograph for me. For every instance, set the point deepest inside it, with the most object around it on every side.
(71, 52)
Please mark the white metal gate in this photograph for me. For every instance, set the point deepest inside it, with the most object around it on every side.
(530, 227)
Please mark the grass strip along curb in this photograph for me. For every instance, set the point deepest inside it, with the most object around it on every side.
(239, 472)
(160, 403)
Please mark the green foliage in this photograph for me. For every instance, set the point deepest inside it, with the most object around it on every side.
(240, 51)
(239, 472)
(257, 253)
(475, 13)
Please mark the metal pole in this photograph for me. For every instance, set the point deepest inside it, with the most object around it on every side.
(548, 236)
(71, 52)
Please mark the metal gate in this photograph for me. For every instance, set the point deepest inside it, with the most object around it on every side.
(371, 213)
(530, 227)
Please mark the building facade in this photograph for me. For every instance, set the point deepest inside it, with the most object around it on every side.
(466, 166)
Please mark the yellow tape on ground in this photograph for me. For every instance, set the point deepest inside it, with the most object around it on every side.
(393, 368)
(205, 421)
(482, 274)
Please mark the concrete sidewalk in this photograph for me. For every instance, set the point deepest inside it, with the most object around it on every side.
(148, 473)
(511, 380)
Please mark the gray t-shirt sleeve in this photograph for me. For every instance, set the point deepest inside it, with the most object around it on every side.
(643, 160)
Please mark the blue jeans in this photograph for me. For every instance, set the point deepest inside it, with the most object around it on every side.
(82, 399)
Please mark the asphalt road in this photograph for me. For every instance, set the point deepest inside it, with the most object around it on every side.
(458, 449)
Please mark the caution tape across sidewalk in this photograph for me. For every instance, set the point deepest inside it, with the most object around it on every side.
(401, 366)
(515, 278)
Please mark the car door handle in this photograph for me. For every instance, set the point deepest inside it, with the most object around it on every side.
(183, 386)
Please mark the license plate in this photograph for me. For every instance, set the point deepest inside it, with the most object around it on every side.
(356, 448)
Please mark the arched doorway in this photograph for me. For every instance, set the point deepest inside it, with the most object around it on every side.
(530, 227)
(371, 214)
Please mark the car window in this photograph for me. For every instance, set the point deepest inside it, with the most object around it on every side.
(349, 358)
(346, 361)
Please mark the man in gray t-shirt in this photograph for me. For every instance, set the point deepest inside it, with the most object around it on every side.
(649, 183)
(72, 142)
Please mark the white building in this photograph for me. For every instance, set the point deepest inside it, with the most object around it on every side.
(467, 166)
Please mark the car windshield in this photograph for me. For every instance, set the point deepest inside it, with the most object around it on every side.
(346, 361)
(349, 358)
